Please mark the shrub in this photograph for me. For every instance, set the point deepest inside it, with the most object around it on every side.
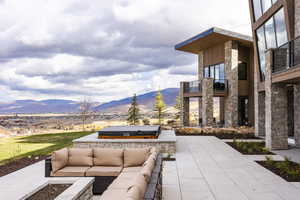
(146, 121)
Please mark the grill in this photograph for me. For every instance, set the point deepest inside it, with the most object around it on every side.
(129, 132)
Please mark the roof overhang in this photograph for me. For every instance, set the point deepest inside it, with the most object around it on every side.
(212, 37)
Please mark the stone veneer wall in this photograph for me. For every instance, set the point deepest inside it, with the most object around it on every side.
(200, 77)
(164, 147)
(207, 101)
(297, 114)
(260, 129)
(185, 105)
(276, 110)
(297, 18)
(231, 74)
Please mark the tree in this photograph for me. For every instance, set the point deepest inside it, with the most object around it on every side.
(85, 109)
(159, 106)
(133, 112)
(177, 107)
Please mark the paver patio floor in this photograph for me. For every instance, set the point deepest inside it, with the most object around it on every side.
(208, 169)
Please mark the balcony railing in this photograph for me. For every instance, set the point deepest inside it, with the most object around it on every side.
(195, 86)
(220, 85)
(287, 56)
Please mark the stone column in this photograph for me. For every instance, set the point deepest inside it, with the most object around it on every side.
(276, 110)
(231, 74)
(207, 101)
(297, 114)
(185, 105)
(200, 77)
(297, 18)
(260, 128)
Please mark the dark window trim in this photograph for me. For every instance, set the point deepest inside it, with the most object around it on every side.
(208, 66)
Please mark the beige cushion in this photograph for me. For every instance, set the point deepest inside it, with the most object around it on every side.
(114, 194)
(133, 193)
(80, 157)
(121, 183)
(153, 150)
(147, 170)
(108, 157)
(59, 159)
(128, 175)
(103, 171)
(135, 157)
(141, 183)
(71, 171)
(132, 169)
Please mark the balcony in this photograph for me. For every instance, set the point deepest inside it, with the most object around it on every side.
(286, 61)
(194, 88)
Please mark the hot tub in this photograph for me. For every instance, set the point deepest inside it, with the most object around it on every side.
(129, 132)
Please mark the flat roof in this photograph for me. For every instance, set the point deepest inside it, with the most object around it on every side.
(211, 37)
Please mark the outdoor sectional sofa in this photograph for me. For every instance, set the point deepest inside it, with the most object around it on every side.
(130, 173)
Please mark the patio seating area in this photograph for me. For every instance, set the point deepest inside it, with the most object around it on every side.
(205, 168)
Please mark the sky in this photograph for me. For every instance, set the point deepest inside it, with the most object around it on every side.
(104, 50)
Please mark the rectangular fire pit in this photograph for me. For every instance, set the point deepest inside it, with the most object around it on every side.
(129, 132)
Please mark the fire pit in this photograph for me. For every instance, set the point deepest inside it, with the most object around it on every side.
(129, 132)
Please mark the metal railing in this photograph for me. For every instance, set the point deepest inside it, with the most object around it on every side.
(286, 56)
(195, 86)
(219, 85)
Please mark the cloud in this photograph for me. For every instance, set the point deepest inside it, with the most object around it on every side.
(104, 49)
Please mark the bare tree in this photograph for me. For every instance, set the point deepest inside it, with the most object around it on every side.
(85, 108)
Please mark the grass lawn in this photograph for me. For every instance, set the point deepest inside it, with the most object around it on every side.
(23, 146)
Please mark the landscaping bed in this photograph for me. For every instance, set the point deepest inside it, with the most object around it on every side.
(49, 192)
(221, 133)
(19, 164)
(250, 148)
(288, 170)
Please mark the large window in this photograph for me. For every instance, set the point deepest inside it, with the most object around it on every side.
(214, 71)
(271, 35)
(261, 6)
(280, 28)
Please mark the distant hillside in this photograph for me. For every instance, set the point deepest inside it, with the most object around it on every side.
(44, 106)
(145, 101)
(67, 106)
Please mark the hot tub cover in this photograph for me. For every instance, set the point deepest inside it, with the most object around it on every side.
(130, 131)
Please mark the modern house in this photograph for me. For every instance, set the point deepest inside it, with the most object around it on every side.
(225, 72)
(276, 32)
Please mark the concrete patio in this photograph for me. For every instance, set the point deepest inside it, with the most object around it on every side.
(208, 169)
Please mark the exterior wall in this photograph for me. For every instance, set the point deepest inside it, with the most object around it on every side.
(231, 74)
(260, 112)
(185, 105)
(200, 77)
(207, 102)
(214, 55)
(163, 147)
(276, 110)
(297, 114)
(297, 18)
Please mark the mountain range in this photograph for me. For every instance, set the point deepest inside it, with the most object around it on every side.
(145, 101)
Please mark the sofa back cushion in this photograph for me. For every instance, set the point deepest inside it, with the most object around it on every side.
(108, 157)
(135, 157)
(80, 157)
(59, 159)
(147, 169)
